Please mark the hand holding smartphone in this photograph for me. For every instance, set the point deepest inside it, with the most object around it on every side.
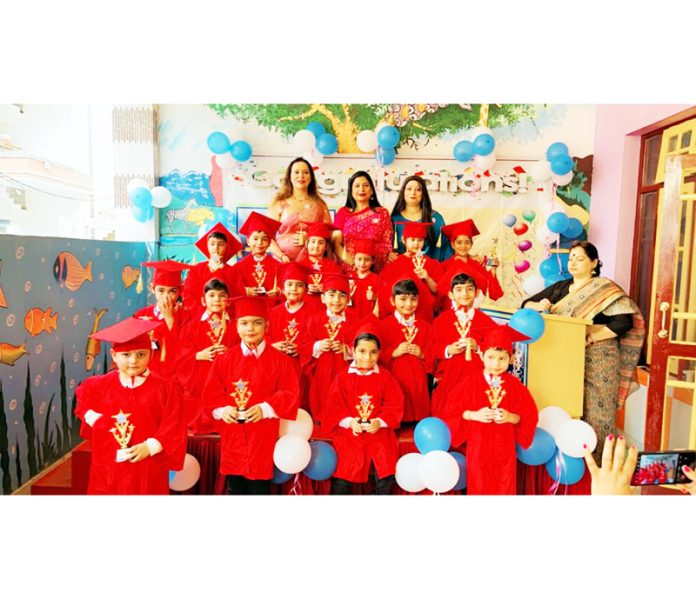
(663, 467)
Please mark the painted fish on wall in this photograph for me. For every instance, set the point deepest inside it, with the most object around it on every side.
(9, 353)
(36, 321)
(93, 345)
(69, 273)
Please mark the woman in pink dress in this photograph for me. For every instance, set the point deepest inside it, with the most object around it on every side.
(362, 218)
(296, 205)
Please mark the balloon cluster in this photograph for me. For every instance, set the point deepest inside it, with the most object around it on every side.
(558, 166)
(382, 141)
(225, 150)
(144, 200)
(521, 264)
(434, 468)
(558, 444)
(313, 142)
(480, 150)
(184, 479)
(294, 453)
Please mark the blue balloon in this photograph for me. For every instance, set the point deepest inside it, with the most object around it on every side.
(564, 469)
(280, 477)
(528, 322)
(172, 474)
(484, 144)
(574, 229)
(541, 450)
(142, 213)
(557, 222)
(141, 197)
(562, 165)
(556, 149)
(509, 220)
(388, 137)
(549, 267)
(461, 462)
(463, 151)
(316, 128)
(241, 150)
(551, 279)
(323, 462)
(218, 142)
(432, 433)
(327, 144)
(385, 156)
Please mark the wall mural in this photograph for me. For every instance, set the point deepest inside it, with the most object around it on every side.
(53, 294)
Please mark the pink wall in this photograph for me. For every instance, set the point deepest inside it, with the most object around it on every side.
(618, 130)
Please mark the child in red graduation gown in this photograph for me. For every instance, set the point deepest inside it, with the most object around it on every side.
(458, 331)
(461, 237)
(166, 286)
(315, 262)
(134, 412)
(365, 407)
(259, 270)
(491, 411)
(365, 285)
(202, 341)
(415, 265)
(219, 246)
(249, 388)
(408, 350)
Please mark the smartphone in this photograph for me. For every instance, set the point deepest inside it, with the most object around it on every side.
(663, 467)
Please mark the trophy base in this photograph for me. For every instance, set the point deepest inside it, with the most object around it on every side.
(241, 416)
(122, 455)
(261, 290)
(365, 425)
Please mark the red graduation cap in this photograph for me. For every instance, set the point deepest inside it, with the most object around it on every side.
(370, 324)
(258, 222)
(167, 272)
(129, 334)
(414, 230)
(323, 230)
(294, 272)
(364, 246)
(502, 336)
(249, 306)
(466, 227)
(337, 282)
(233, 244)
(444, 285)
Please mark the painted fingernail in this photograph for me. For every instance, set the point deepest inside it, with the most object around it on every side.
(686, 469)
(621, 438)
(584, 445)
(610, 438)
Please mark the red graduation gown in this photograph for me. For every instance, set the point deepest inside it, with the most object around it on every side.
(155, 411)
(411, 372)
(195, 281)
(491, 462)
(403, 268)
(355, 452)
(358, 296)
(247, 449)
(246, 268)
(450, 371)
(163, 355)
(316, 271)
(493, 288)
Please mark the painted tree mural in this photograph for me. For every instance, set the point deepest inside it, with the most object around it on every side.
(345, 121)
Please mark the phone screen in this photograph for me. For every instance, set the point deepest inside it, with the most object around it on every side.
(663, 468)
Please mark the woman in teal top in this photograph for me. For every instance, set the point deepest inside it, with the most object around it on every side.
(413, 204)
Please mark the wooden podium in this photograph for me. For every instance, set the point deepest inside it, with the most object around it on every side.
(556, 363)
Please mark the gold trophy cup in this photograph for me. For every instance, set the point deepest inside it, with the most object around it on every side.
(365, 408)
(241, 396)
(122, 432)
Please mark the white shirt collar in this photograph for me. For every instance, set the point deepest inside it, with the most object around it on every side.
(293, 310)
(492, 380)
(253, 352)
(206, 315)
(407, 323)
(133, 382)
(353, 369)
(336, 317)
(463, 314)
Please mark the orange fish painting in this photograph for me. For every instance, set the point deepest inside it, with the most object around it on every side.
(9, 354)
(3, 301)
(37, 321)
(69, 273)
(93, 345)
(129, 275)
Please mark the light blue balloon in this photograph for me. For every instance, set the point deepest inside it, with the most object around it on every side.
(385, 156)
(463, 151)
(528, 322)
(564, 469)
(541, 450)
(557, 222)
(172, 474)
(556, 149)
(573, 230)
(327, 144)
(561, 165)
(241, 150)
(556, 278)
(323, 462)
(141, 197)
(388, 137)
(142, 213)
(432, 433)
(461, 462)
(218, 142)
(509, 220)
(549, 267)
(280, 477)
(316, 128)
(484, 144)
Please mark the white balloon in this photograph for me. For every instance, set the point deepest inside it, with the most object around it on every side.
(302, 426)
(533, 284)
(291, 454)
(540, 171)
(188, 476)
(135, 184)
(571, 435)
(314, 157)
(303, 141)
(545, 236)
(367, 141)
(225, 160)
(161, 197)
(439, 471)
(551, 418)
(561, 180)
(407, 472)
(484, 163)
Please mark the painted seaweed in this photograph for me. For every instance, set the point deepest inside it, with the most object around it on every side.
(4, 448)
(30, 426)
(18, 464)
(65, 444)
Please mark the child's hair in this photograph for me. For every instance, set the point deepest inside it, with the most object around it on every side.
(367, 337)
(339, 290)
(215, 285)
(462, 279)
(218, 235)
(498, 349)
(405, 287)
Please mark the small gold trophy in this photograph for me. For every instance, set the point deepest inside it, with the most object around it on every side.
(418, 260)
(463, 329)
(493, 258)
(316, 276)
(353, 286)
(410, 333)
(495, 392)
(259, 277)
(291, 331)
(365, 408)
(217, 331)
(241, 396)
(122, 432)
(302, 232)
(333, 328)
